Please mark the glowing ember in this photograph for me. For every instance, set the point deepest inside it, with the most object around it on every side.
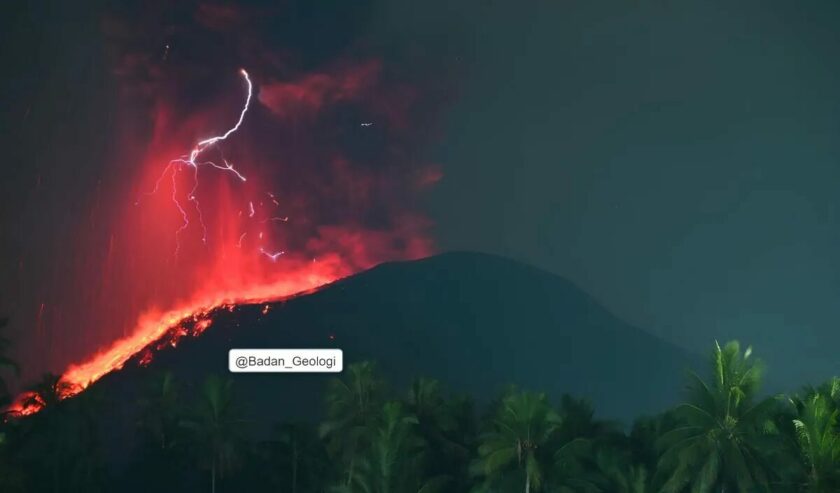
(152, 328)
(26, 404)
(250, 245)
(193, 317)
(154, 331)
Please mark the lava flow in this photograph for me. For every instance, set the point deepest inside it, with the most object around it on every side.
(194, 243)
(156, 330)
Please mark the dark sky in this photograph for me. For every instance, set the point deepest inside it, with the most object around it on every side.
(678, 160)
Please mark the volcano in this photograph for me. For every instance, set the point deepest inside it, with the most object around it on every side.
(474, 321)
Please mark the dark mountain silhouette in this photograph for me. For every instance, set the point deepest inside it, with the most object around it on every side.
(476, 322)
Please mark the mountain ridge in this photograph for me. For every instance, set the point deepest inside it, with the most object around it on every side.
(475, 321)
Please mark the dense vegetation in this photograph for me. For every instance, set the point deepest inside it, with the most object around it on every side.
(723, 438)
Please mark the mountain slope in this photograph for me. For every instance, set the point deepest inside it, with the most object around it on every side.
(475, 321)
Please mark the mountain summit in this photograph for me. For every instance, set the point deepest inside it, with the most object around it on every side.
(476, 322)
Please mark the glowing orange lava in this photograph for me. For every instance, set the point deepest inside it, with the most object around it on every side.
(26, 404)
(152, 327)
(182, 248)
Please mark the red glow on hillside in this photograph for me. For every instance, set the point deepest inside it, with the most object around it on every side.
(195, 236)
(26, 404)
(152, 327)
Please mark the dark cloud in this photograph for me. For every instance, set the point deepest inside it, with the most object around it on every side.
(350, 192)
(310, 93)
(219, 17)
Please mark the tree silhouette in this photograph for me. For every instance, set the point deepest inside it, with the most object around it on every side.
(513, 445)
(352, 405)
(816, 428)
(161, 410)
(448, 427)
(724, 438)
(63, 448)
(162, 444)
(617, 472)
(216, 426)
(299, 458)
(721, 443)
(394, 461)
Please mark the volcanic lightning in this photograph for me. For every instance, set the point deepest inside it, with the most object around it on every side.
(174, 300)
(155, 326)
(191, 161)
(272, 255)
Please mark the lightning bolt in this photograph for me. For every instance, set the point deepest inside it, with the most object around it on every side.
(271, 255)
(192, 161)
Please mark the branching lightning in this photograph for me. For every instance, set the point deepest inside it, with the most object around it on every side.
(272, 255)
(191, 160)
(185, 295)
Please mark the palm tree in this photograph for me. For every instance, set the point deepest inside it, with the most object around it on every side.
(352, 405)
(426, 401)
(830, 390)
(161, 410)
(578, 421)
(160, 460)
(586, 450)
(290, 437)
(394, 461)
(818, 440)
(83, 443)
(643, 452)
(645, 434)
(618, 473)
(448, 427)
(721, 443)
(216, 425)
(298, 457)
(513, 446)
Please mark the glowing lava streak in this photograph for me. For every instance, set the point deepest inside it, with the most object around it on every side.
(154, 328)
(243, 270)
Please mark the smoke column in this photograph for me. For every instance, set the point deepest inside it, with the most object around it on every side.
(227, 187)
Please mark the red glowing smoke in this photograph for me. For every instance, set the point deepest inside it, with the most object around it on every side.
(179, 232)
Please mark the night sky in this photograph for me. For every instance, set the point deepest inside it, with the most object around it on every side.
(677, 160)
